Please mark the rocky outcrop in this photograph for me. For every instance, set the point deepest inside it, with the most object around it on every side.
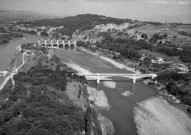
(106, 125)
(111, 26)
(93, 35)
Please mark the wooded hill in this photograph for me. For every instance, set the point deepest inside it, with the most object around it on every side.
(82, 21)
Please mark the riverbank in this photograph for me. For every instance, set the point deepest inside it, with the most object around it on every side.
(109, 60)
(12, 40)
(7, 37)
(99, 99)
(157, 117)
(162, 92)
(13, 72)
(106, 125)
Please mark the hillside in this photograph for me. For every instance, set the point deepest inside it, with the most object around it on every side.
(94, 28)
(82, 21)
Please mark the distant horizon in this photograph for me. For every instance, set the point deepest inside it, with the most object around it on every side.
(163, 11)
(63, 16)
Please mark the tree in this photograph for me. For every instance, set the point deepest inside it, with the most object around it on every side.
(44, 33)
(186, 100)
(172, 88)
(1, 118)
(189, 109)
(185, 90)
(24, 125)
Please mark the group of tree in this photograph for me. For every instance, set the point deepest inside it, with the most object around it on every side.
(6, 37)
(183, 33)
(157, 37)
(177, 84)
(125, 47)
(38, 104)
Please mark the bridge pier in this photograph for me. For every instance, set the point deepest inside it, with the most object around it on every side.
(134, 81)
(98, 81)
(98, 78)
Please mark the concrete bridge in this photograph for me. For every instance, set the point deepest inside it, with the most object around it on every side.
(57, 43)
(104, 76)
(3, 73)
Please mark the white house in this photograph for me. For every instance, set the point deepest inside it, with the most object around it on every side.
(158, 60)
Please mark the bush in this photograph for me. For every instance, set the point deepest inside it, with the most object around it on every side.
(189, 109)
(186, 100)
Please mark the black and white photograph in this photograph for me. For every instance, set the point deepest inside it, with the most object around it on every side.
(95, 67)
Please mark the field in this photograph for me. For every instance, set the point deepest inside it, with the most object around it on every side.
(168, 58)
(186, 28)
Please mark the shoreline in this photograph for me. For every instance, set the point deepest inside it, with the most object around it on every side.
(100, 101)
(171, 99)
(10, 41)
(106, 125)
(109, 60)
(98, 97)
(162, 92)
(157, 116)
(14, 72)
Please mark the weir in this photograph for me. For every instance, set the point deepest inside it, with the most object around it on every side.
(57, 43)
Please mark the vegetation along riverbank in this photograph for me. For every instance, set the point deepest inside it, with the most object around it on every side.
(6, 36)
(171, 83)
(47, 98)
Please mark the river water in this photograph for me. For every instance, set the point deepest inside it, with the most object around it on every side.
(121, 112)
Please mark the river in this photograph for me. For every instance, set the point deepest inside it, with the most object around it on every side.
(121, 112)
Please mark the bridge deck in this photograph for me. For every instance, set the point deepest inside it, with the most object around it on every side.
(115, 74)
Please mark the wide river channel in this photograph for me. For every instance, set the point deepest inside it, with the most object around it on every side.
(121, 111)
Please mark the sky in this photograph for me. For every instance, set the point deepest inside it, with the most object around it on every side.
(148, 10)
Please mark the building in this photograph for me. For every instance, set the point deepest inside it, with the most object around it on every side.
(158, 60)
